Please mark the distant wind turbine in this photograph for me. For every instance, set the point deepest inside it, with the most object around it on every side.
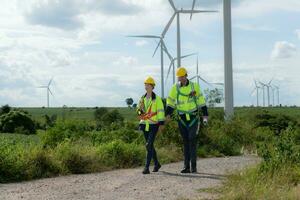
(47, 87)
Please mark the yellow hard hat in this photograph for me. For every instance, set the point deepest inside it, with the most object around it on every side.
(149, 80)
(181, 71)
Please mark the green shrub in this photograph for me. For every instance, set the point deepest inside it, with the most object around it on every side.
(77, 158)
(65, 129)
(282, 150)
(12, 163)
(17, 122)
(276, 122)
(128, 134)
(41, 163)
(225, 138)
(5, 109)
(112, 117)
(121, 155)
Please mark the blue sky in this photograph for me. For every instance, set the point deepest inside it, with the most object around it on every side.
(83, 45)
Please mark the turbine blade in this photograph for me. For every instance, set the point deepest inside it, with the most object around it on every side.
(222, 84)
(194, 1)
(168, 25)
(156, 48)
(169, 70)
(197, 11)
(255, 82)
(188, 55)
(166, 51)
(270, 81)
(50, 91)
(144, 36)
(50, 82)
(204, 80)
(193, 77)
(262, 83)
(172, 4)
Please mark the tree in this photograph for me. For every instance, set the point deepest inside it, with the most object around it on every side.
(99, 113)
(112, 117)
(5, 109)
(213, 97)
(17, 121)
(129, 102)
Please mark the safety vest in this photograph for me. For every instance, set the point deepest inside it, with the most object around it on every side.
(186, 99)
(152, 110)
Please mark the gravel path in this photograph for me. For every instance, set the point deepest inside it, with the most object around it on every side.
(131, 183)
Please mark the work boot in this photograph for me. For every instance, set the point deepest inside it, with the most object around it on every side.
(156, 168)
(194, 170)
(186, 170)
(146, 171)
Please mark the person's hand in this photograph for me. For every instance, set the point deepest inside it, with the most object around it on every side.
(205, 120)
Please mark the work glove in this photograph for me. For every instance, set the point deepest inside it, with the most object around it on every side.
(205, 120)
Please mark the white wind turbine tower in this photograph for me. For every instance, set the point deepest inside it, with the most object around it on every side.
(228, 75)
(48, 91)
(177, 14)
(197, 74)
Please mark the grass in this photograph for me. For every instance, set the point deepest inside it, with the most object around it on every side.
(253, 184)
(83, 113)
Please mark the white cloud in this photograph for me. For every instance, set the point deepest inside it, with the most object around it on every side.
(283, 49)
(257, 8)
(141, 43)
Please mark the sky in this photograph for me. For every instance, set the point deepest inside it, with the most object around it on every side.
(83, 46)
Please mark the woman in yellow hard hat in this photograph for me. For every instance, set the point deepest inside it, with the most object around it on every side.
(152, 115)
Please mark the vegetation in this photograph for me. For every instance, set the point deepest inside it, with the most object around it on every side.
(89, 140)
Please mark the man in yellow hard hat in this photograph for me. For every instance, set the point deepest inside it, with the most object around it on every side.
(152, 116)
(186, 97)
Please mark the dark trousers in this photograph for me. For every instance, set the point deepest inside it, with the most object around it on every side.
(149, 138)
(189, 136)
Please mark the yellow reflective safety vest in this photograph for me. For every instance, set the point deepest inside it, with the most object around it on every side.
(151, 111)
(186, 99)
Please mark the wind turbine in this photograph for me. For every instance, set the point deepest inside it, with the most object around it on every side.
(177, 14)
(48, 90)
(256, 88)
(268, 90)
(228, 75)
(198, 76)
(162, 46)
(263, 88)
